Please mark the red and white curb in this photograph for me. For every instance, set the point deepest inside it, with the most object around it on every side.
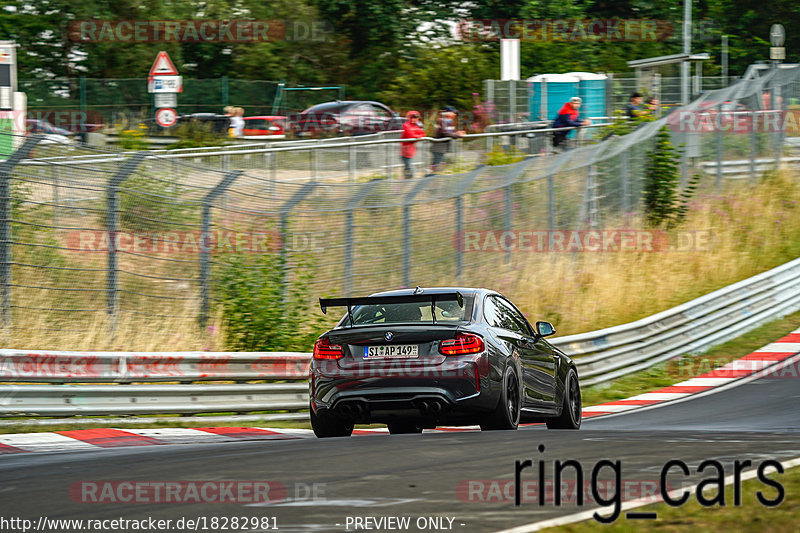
(93, 439)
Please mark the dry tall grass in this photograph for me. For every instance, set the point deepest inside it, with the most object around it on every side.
(754, 227)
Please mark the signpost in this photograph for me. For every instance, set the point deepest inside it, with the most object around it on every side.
(166, 117)
(164, 83)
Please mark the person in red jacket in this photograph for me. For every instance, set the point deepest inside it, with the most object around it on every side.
(412, 129)
(568, 118)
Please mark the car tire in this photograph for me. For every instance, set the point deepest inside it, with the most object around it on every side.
(401, 428)
(507, 413)
(571, 409)
(325, 426)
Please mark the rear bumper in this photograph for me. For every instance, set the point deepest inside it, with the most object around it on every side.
(440, 394)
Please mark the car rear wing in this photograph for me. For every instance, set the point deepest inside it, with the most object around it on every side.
(325, 303)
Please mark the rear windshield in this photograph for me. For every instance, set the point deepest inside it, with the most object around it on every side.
(405, 313)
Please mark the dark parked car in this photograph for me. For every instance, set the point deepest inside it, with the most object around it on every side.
(351, 117)
(419, 358)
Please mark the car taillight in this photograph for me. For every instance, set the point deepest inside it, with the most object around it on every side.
(464, 343)
(323, 349)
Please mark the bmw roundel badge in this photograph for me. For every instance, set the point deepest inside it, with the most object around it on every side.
(388, 336)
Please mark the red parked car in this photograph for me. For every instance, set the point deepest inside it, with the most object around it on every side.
(347, 117)
(273, 126)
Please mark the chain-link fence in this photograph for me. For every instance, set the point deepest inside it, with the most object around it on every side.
(151, 234)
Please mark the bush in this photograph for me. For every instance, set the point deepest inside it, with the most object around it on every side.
(664, 204)
(261, 310)
(196, 134)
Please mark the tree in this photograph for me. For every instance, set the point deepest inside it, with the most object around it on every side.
(664, 204)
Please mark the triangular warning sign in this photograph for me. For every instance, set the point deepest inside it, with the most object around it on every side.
(163, 66)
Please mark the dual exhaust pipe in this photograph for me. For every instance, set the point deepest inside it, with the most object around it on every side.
(430, 407)
(359, 410)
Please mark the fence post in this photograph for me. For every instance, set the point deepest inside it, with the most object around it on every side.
(626, 183)
(753, 144)
(205, 245)
(352, 204)
(112, 227)
(5, 224)
(508, 221)
(719, 152)
(224, 87)
(407, 227)
(56, 199)
(285, 209)
(459, 236)
(351, 163)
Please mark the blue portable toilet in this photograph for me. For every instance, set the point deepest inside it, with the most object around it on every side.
(549, 92)
(592, 89)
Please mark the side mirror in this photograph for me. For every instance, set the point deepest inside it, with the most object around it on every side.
(545, 329)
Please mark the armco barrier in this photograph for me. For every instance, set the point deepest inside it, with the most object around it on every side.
(600, 355)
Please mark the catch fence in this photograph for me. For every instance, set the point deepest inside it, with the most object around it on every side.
(151, 236)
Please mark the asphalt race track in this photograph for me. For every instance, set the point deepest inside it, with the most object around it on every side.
(424, 475)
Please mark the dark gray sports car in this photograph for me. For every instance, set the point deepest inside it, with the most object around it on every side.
(418, 358)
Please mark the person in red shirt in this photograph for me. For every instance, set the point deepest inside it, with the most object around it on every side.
(412, 129)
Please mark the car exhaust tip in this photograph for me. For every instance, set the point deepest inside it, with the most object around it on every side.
(436, 408)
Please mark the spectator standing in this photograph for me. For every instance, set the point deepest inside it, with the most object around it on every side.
(412, 129)
(634, 107)
(568, 117)
(237, 122)
(445, 128)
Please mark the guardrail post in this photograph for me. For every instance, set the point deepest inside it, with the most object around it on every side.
(5, 225)
(112, 227)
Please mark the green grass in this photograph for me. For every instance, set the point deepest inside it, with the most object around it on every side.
(688, 366)
(751, 516)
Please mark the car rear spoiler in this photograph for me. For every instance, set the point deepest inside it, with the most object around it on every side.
(325, 303)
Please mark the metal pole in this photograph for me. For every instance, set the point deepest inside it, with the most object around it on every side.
(551, 202)
(459, 237)
(407, 245)
(351, 163)
(626, 208)
(348, 254)
(509, 209)
(205, 243)
(687, 49)
(724, 61)
(112, 227)
(753, 143)
(719, 151)
(56, 199)
(5, 225)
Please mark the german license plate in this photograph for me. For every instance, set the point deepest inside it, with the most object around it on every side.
(391, 351)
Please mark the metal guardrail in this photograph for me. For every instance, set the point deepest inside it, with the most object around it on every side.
(277, 147)
(601, 356)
